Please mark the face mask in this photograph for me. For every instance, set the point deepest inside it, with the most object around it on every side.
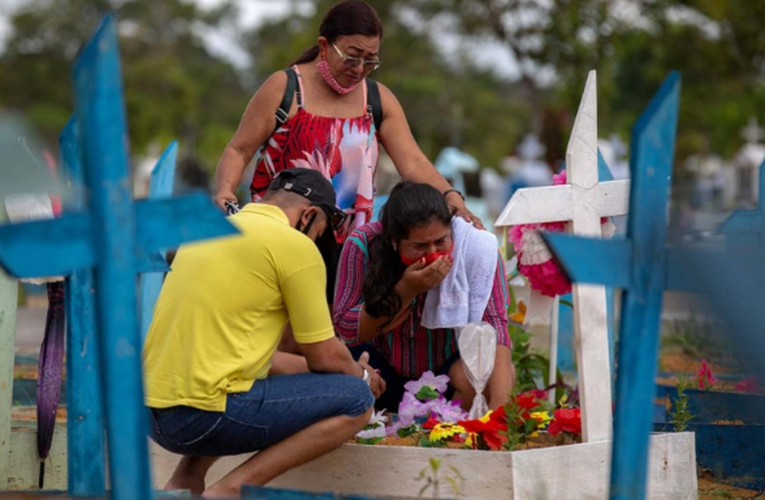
(307, 227)
(329, 78)
(429, 258)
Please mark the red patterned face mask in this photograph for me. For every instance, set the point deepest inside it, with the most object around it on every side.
(429, 258)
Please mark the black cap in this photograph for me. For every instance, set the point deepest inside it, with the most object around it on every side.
(311, 184)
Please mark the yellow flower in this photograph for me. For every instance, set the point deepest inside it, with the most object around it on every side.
(486, 417)
(520, 315)
(562, 401)
(542, 417)
(445, 430)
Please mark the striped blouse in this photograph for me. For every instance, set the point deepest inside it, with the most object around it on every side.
(410, 348)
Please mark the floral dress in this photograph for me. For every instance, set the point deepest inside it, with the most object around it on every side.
(345, 150)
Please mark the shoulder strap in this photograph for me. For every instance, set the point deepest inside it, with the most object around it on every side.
(374, 104)
(283, 113)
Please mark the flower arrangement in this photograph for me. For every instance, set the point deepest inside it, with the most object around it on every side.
(426, 418)
(535, 261)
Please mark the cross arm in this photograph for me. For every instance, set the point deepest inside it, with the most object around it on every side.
(57, 247)
(592, 260)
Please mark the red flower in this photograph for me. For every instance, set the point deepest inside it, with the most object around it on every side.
(748, 385)
(430, 422)
(566, 420)
(704, 376)
(490, 429)
(527, 402)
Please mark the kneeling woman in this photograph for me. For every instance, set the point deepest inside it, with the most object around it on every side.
(386, 270)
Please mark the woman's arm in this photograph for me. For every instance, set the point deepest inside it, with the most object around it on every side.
(255, 127)
(351, 320)
(352, 323)
(410, 161)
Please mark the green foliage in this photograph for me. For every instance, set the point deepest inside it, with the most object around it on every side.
(174, 88)
(430, 474)
(680, 416)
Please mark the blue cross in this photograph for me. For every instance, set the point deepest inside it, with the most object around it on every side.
(111, 238)
(638, 265)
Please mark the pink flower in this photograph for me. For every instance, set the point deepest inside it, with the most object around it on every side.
(429, 379)
(748, 384)
(705, 377)
(448, 411)
(535, 261)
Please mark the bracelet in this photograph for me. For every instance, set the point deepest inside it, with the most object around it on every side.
(446, 193)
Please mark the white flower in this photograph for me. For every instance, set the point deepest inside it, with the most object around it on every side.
(378, 417)
(377, 431)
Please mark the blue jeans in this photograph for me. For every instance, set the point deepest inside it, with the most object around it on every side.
(271, 411)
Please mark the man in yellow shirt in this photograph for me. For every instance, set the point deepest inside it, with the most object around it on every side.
(213, 338)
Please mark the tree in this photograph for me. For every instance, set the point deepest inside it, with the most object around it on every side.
(174, 88)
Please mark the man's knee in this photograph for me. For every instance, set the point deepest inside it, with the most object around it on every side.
(360, 398)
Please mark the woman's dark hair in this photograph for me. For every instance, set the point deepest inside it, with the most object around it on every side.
(352, 17)
(409, 206)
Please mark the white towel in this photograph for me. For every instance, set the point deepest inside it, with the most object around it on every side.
(462, 296)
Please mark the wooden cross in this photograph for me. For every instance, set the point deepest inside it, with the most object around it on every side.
(582, 202)
(110, 238)
(642, 267)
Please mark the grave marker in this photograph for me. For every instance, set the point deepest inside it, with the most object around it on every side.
(583, 201)
(110, 237)
(638, 264)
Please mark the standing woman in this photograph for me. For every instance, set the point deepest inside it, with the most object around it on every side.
(330, 124)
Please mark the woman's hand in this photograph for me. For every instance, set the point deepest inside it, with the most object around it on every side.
(419, 278)
(455, 201)
(376, 382)
(222, 196)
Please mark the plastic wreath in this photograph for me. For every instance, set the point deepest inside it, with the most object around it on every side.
(535, 261)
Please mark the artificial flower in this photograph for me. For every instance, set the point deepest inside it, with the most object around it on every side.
(378, 417)
(520, 315)
(445, 430)
(535, 261)
(448, 411)
(542, 417)
(376, 432)
(488, 427)
(566, 420)
(430, 423)
(527, 402)
(748, 384)
(436, 382)
(704, 376)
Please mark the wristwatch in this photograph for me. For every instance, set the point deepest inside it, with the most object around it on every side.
(366, 376)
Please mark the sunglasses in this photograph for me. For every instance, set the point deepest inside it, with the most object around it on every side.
(335, 216)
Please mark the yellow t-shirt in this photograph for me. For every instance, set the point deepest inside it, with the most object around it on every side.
(223, 308)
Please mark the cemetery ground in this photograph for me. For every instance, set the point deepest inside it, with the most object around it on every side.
(687, 341)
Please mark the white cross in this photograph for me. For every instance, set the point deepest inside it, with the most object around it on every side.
(752, 133)
(582, 202)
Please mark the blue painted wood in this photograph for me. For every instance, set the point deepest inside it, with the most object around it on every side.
(161, 186)
(732, 454)
(100, 111)
(652, 154)
(713, 406)
(748, 223)
(86, 464)
(250, 492)
(107, 235)
(25, 253)
(638, 265)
